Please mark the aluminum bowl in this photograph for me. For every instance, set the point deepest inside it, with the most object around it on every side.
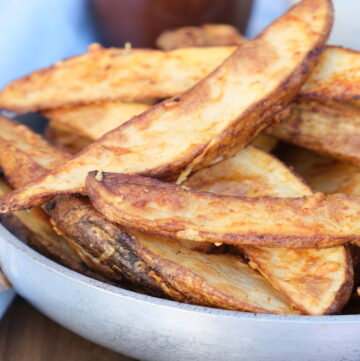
(149, 328)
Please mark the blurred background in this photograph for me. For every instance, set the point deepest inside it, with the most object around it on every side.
(37, 33)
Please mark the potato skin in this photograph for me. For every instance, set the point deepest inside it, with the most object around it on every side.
(104, 246)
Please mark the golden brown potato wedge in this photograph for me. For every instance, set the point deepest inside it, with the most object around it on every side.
(337, 76)
(34, 228)
(195, 36)
(329, 128)
(211, 121)
(112, 74)
(317, 281)
(168, 210)
(117, 255)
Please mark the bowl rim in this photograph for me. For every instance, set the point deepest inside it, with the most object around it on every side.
(117, 291)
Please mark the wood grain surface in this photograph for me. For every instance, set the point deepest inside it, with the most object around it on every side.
(25, 334)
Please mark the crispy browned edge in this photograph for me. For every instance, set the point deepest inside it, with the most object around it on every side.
(345, 291)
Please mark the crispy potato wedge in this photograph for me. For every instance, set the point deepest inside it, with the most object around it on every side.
(94, 120)
(117, 255)
(337, 76)
(211, 121)
(299, 274)
(329, 128)
(195, 36)
(168, 210)
(112, 74)
(34, 228)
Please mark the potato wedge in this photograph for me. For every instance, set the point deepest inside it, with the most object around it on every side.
(337, 76)
(298, 274)
(323, 174)
(112, 74)
(329, 128)
(34, 228)
(119, 255)
(94, 120)
(168, 210)
(211, 121)
(195, 36)
(72, 129)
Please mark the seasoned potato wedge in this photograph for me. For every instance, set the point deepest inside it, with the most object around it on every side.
(214, 119)
(195, 36)
(168, 210)
(329, 128)
(317, 281)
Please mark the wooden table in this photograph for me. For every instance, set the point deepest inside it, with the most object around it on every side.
(25, 334)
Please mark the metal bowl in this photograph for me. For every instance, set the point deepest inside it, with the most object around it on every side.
(148, 328)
